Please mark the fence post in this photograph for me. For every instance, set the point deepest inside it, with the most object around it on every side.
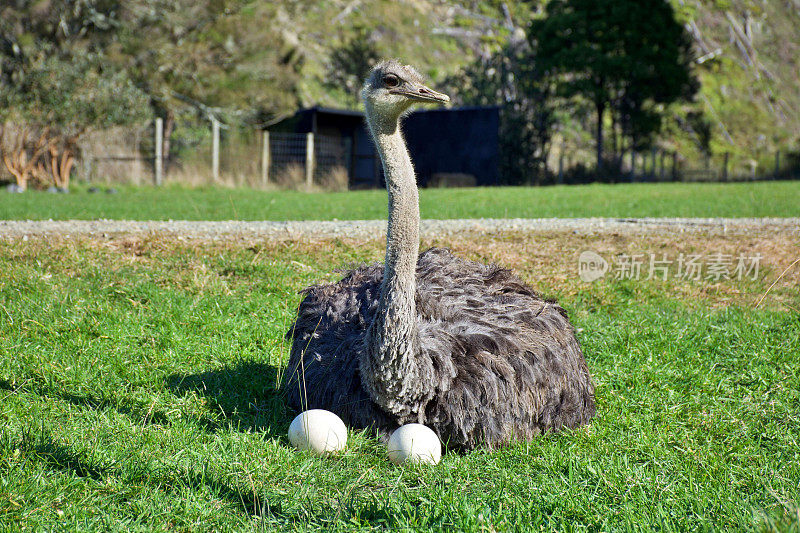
(159, 162)
(264, 158)
(725, 166)
(777, 164)
(309, 160)
(661, 165)
(215, 149)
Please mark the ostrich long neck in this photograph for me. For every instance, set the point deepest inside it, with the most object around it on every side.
(389, 368)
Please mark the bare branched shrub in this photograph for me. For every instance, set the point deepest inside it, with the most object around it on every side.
(39, 156)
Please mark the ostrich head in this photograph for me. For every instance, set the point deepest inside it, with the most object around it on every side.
(391, 88)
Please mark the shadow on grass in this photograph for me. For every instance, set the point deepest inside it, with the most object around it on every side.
(246, 397)
(137, 411)
(40, 446)
(61, 457)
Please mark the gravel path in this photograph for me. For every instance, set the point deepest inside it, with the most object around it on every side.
(375, 228)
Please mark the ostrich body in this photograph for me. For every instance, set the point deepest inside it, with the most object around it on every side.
(465, 348)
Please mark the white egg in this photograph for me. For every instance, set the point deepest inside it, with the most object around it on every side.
(414, 443)
(319, 431)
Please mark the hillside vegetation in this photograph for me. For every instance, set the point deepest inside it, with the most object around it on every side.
(748, 59)
(750, 53)
(68, 68)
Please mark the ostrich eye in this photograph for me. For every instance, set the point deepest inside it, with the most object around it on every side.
(391, 81)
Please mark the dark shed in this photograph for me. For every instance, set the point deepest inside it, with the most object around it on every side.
(454, 146)
(448, 146)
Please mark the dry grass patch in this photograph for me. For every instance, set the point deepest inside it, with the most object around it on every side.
(549, 261)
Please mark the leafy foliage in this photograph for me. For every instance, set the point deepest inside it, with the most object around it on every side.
(52, 69)
(512, 78)
(220, 58)
(351, 62)
(252, 62)
(629, 57)
(55, 85)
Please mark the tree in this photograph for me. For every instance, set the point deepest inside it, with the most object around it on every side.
(220, 59)
(55, 85)
(63, 61)
(512, 79)
(55, 104)
(351, 62)
(627, 56)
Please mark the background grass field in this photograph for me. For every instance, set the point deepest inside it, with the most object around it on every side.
(761, 199)
(138, 390)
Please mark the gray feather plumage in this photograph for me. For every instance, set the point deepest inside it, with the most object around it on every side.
(496, 362)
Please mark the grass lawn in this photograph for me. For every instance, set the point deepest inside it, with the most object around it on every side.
(758, 199)
(138, 391)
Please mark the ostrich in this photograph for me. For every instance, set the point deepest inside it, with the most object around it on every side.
(465, 348)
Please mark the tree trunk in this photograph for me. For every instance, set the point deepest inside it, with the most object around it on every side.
(614, 138)
(600, 105)
(615, 144)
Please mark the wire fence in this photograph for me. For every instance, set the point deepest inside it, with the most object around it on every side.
(662, 165)
(116, 156)
(298, 160)
(287, 166)
(238, 157)
(248, 157)
(244, 157)
(333, 156)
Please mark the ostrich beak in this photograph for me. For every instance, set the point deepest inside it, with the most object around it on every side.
(420, 93)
